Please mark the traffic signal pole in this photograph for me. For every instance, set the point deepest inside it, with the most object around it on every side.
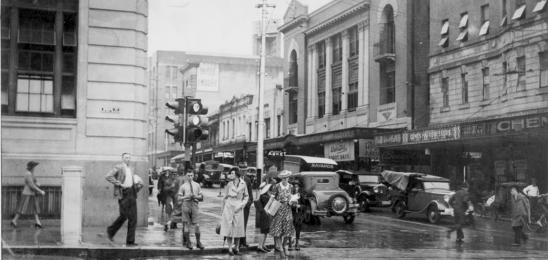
(260, 129)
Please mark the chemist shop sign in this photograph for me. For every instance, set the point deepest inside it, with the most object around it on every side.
(340, 151)
(505, 125)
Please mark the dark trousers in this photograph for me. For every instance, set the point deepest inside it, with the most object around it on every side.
(128, 211)
(246, 217)
(459, 221)
(518, 234)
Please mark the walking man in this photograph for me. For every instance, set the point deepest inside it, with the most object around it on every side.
(520, 214)
(247, 207)
(461, 203)
(126, 186)
(190, 194)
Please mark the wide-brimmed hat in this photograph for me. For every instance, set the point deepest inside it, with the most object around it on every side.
(264, 187)
(31, 165)
(284, 174)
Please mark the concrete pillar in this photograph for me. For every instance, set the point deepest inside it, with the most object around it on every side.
(309, 71)
(328, 77)
(72, 201)
(344, 90)
(314, 80)
(363, 63)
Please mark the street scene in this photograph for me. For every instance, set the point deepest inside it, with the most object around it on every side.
(274, 129)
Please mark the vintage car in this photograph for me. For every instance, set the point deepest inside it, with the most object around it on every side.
(420, 193)
(216, 173)
(320, 186)
(367, 188)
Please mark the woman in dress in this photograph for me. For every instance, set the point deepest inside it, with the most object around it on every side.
(29, 204)
(232, 222)
(282, 223)
(264, 218)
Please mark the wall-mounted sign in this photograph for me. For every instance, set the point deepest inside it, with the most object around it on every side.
(432, 135)
(505, 125)
(224, 155)
(340, 151)
(275, 153)
(208, 77)
(386, 112)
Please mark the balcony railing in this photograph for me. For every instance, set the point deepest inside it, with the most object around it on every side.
(384, 51)
(291, 84)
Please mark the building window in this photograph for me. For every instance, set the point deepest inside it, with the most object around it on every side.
(445, 91)
(388, 83)
(336, 41)
(463, 26)
(485, 85)
(233, 128)
(464, 88)
(484, 20)
(352, 96)
(293, 104)
(293, 70)
(250, 131)
(40, 88)
(539, 7)
(336, 90)
(387, 43)
(279, 124)
(354, 41)
(321, 93)
(520, 10)
(320, 47)
(267, 128)
(521, 72)
(543, 59)
(504, 14)
(444, 41)
(504, 78)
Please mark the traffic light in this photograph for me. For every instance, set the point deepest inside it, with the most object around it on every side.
(196, 127)
(178, 131)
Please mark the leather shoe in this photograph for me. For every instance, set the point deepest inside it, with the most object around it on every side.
(131, 244)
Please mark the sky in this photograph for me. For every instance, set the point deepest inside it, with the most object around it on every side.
(209, 26)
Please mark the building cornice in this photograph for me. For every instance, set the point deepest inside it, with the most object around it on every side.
(337, 18)
(293, 23)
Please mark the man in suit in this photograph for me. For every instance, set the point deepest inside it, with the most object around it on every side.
(247, 181)
(126, 186)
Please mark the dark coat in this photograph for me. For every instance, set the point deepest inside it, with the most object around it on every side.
(264, 219)
(249, 191)
(520, 210)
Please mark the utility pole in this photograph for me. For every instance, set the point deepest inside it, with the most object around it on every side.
(260, 130)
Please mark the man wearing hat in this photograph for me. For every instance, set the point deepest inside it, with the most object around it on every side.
(126, 186)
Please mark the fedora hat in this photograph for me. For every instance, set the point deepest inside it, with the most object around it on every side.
(264, 188)
(31, 165)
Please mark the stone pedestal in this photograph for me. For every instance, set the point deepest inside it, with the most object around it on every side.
(71, 209)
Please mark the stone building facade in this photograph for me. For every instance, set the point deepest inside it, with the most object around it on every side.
(74, 93)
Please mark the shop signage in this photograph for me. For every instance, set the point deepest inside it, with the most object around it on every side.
(275, 154)
(506, 125)
(340, 151)
(432, 135)
(224, 154)
(388, 139)
(368, 149)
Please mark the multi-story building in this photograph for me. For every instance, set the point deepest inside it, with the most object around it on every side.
(488, 98)
(273, 38)
(74, 93)
(351, 70)
(209, 77)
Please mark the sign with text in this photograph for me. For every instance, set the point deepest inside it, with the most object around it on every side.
(340, 151)
(432, 135)
(505, 125)
(208, 77)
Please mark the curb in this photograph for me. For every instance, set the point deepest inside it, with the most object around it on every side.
(115, 252)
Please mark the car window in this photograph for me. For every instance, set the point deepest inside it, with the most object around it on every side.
(369, 178)
(436, 185)
(322, 180)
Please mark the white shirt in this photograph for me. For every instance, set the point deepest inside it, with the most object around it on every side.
(128, 180)
(531, 191)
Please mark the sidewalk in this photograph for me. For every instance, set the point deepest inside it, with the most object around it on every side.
(152, 240)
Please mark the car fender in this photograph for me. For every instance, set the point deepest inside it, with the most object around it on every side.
(440, 206)
(322, 197)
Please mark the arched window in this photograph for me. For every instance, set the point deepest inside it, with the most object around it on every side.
(293, 87)
(387, 30)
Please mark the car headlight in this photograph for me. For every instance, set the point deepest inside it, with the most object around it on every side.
(446, 198)
(376, 189)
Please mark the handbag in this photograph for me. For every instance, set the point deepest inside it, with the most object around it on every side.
(218, 229)
(272, 207)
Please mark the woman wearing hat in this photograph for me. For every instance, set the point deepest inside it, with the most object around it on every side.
(264, 218)
(282, 223)
(29, 204)
(232, 222)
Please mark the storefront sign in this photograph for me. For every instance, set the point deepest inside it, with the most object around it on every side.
(506, 125)
(340, 151)
(432, 135)
(224, 154)
(388, 139)
(275, 154)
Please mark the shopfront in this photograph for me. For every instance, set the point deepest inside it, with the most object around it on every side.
(481, 153)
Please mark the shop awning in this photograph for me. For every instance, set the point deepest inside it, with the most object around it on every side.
(179, 157)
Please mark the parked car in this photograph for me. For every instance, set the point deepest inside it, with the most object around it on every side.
(321, 188)
(420, 193)
(216, 173)
(367, 188)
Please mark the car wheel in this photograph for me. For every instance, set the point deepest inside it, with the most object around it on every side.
(364, 205)
(399, 209)
(338, 204)
(433, 214)
(349, 219)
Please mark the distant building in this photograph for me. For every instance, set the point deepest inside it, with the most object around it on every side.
(209, 77)
(273, 39)
(74, 93)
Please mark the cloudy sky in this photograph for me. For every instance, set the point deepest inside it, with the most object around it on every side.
(212, 26)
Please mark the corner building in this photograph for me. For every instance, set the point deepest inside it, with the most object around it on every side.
(74, 93)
